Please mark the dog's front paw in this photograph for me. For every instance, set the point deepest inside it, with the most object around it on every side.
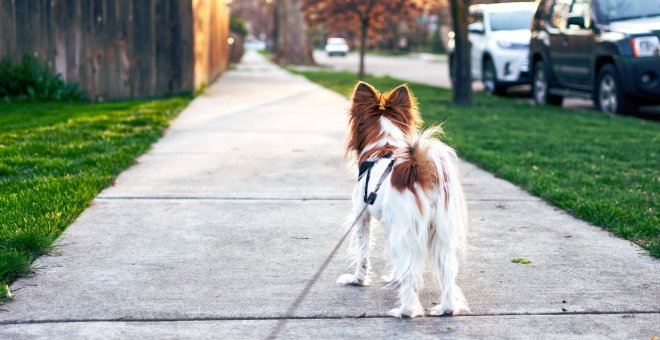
(350, 279)
(406, 312)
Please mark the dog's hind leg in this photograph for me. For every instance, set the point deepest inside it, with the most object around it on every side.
(445, 269)
(360, 247)
(408, 250)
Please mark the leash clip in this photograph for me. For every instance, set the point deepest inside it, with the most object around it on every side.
(371, 199)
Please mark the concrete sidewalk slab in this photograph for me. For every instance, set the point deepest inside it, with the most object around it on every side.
(217, 230)
(563, 327)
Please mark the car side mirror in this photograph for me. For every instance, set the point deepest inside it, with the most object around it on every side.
(477, 28)
(575, 20)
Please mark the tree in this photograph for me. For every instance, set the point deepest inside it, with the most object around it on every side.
(259, 14)
(463, 79)
(292, 45)
(363, 16)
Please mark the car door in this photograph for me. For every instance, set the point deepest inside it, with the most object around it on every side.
(476, 36)
(580, 43)
(559, 49)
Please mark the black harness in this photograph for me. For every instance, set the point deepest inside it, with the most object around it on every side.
(365, 167)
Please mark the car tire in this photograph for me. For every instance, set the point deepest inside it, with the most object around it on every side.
(489, 78)
(609, 95)
(541, 86)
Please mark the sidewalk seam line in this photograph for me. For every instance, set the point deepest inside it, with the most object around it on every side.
(220, 198)
(276, 318)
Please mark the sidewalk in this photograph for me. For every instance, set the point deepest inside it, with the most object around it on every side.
(216, 231)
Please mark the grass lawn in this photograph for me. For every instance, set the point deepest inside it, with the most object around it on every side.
(55, 157)
(601, 168)
(386, 53)
(398, 53)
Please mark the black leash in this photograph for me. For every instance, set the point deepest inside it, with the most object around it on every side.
(308, 287)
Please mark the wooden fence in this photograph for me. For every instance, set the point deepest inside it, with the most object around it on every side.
(119, 49)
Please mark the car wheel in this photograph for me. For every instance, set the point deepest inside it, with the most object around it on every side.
(489, 78)
(541, 86)
(609, 93)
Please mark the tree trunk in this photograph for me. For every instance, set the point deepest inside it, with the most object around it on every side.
(276, 27)
(463, 83)
(293, 44)
(364, 30)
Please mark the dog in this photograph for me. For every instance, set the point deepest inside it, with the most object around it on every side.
(420, 203)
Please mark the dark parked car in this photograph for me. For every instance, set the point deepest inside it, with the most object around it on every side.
(607, 50)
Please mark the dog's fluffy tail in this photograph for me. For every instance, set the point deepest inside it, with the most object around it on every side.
(428, 162)
(448, 223)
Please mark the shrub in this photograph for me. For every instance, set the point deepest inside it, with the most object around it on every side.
(238, 26)
(33, 79)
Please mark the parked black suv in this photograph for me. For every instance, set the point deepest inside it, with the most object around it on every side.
(607, 50)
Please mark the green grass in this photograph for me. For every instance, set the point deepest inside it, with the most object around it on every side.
(601, 168)
(388, 53)
(400, 53)
(55, 157)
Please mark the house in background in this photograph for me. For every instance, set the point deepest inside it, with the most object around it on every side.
(121, 49)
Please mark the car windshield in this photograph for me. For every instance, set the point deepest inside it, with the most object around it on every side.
(613, 10)
(336, 41)
(508, 21)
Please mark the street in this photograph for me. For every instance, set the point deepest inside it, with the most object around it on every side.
(432, 69)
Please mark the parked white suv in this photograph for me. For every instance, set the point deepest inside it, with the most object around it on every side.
(499, 37)
(336, 46)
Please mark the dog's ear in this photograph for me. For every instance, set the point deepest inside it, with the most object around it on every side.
(400, 97)
(364, 93)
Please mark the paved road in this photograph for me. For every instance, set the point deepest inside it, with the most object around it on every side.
(425, 68)
(218, 231)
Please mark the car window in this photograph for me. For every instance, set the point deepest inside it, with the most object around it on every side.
(581, 8)
(476, 17)
(507, 21)
(613, 10)
(560, 13)
(543, 9)
(336, 41)
(476, 20)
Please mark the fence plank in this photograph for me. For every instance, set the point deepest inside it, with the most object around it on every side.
(118, 49)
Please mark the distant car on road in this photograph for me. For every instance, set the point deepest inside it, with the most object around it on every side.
(605, 50)
(336, 46)
(499, 37)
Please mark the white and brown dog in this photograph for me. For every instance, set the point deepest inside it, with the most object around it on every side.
(421, 205)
